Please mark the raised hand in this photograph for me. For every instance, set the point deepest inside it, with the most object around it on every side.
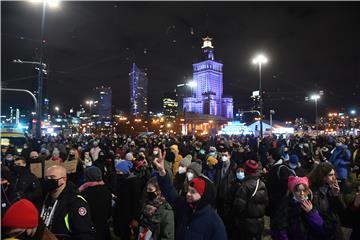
(159, 163)
(306, 205)
(335, 189)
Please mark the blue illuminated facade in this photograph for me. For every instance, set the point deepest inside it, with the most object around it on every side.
(207, 96)
(138, 92)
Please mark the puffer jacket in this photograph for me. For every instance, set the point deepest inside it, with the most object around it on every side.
(340, 158)
(249, 210)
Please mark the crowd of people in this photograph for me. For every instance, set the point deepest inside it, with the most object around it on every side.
(182, 187)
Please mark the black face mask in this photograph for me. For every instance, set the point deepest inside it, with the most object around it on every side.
(151, 196)
(51, 184)
(19, 169)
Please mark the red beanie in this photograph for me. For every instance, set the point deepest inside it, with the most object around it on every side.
(22, 214)
(199, 185)
(251, 167)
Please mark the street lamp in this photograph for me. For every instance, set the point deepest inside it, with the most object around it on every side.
(90, 103)
(57, 109)
(50, 3)
(352, 111)
(315, 98)
(259, 60)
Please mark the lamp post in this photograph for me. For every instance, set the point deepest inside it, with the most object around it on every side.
(57, 109)
(90, 103)
(52, 3)
(315, 98)
(260, 60)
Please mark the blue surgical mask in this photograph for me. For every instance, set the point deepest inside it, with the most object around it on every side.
(240, 175)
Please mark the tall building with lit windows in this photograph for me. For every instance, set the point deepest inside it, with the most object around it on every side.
(207, 97)
(138, 92)
(170, 105)
(103, 102)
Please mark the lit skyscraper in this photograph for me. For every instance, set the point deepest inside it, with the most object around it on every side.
(138, 92)
(170, 105)
(208, 94)
(103, 102)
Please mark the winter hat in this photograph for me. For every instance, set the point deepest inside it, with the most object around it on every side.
(211, 161)
(251, 167)
(186, 161)
(124, 166)
(93, 174)
(199, 185)
(294, 181)
(142, 150)
(22, 214)
(293, 161)
(175, 148)
(212, 149)
(129, 156)
(196, 168)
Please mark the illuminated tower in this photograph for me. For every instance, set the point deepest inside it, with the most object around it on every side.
(138, 92)
(208, 94)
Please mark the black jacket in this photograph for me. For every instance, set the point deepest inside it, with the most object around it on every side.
(128, 204)
(276, 185)
(71, 219)
(248, 211)
(99, 200)
(330, 208)
(28, 186)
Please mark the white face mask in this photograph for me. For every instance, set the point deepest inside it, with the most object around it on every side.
(155, 152)
(189, 176)
(224, 158)
(240, 175)
(182, 170)
(338, 144)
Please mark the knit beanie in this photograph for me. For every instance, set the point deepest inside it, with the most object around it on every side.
(93, 174)
(211, 161)
(129, 156)
(124, 166)
(22, 214)
(196, 167)
(251, 167)
(294, 181)
(186, 161)
(199, 185)
(175, 148)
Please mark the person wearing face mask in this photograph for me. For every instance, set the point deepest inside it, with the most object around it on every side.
(298, 218)
(228, 203)
(157, 217)
(249, 204)
(26, 184)
(225, 175)
(64, 212)
(181, 174)
(195, 217)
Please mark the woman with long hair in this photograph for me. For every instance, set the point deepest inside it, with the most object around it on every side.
(327, 198)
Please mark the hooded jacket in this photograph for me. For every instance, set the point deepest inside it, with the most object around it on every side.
(199, 223)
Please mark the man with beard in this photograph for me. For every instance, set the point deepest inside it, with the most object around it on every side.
(26, 184)
(65, 212)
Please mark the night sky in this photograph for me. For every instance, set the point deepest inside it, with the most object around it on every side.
(311, 46)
